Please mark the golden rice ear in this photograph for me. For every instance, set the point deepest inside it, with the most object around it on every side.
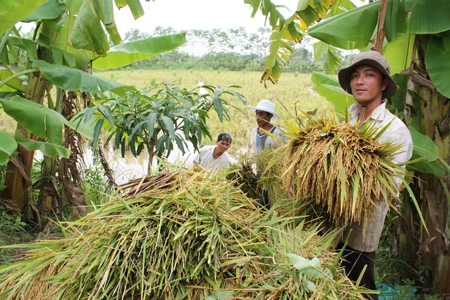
(343, 168)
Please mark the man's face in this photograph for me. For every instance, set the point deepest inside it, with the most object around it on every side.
(222, 146)
(262, 117)
(367, 84)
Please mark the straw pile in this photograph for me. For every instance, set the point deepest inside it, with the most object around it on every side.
(187, 236)
(341, 166)
(243, 176)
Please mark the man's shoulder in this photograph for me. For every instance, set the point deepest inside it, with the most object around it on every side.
(227, 156)
(397, 131)
(206, 148)
(394, 121)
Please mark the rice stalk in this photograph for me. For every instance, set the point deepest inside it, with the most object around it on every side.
(342, 167)
(186, 236)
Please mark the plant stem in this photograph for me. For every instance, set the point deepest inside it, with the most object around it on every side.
(8, 79)
(381, 32)
(5, 38)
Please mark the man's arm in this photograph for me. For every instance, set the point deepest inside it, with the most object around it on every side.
(401, 136)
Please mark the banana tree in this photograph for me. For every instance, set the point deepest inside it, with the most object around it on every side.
(289, 27)
(70, 38)
(417, 46)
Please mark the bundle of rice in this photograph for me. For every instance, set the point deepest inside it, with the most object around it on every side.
(188, 236)
(341, 166)
(243, 176)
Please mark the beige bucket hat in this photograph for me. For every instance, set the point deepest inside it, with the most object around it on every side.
(373, 59)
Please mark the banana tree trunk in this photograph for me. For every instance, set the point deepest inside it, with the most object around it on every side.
(17, 180)
(435, 119)
(407, 247)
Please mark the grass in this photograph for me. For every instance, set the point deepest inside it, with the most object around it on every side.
(13, 232)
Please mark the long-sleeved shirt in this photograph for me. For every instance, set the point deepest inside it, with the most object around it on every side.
(398, 133)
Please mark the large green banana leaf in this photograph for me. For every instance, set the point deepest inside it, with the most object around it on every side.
(87, 32)
(425, 154)
(437, 59)
(13, 11)
(61, 40)
(350, 30)
(74, 80)
(36, 118)
(48, 149)
(49, 10)
(128, 53)
(416, 17)
(7, 147)
(399, 52)
(425, 16)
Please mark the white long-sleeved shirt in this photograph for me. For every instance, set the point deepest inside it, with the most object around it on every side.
(398, 133)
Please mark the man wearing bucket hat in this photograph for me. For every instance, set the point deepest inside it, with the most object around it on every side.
(265, 136)
(368, 80)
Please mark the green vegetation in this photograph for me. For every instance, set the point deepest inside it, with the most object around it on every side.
(226, 50)
(181, 235)
(75, 36)
(13, 231)
(293, 92)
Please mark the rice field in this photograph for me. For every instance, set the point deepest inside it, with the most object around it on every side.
(292, 91)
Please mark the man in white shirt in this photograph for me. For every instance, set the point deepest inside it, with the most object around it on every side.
(265, 136)
(214, 158)
(368, 80)
(259, 136)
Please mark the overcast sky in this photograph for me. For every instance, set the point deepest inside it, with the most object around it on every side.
(192, 14)
(196, 14)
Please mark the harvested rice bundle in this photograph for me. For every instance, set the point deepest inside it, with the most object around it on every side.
(243, 176)
(153, 244)
(342, 167)
(188, 236)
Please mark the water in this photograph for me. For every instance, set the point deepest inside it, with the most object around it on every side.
(130, 167)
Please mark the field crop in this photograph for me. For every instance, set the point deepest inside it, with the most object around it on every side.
(292, 91)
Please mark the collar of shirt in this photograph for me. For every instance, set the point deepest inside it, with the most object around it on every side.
(378, 113)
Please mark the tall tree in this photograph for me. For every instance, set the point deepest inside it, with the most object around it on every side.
(70, 37)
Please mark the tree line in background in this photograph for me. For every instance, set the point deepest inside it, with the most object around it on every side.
(231, 50)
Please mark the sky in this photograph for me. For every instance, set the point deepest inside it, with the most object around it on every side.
(195, 14)
(192, 14)
(199, 14)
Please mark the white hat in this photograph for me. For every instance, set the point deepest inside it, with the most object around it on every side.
(265, 105)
